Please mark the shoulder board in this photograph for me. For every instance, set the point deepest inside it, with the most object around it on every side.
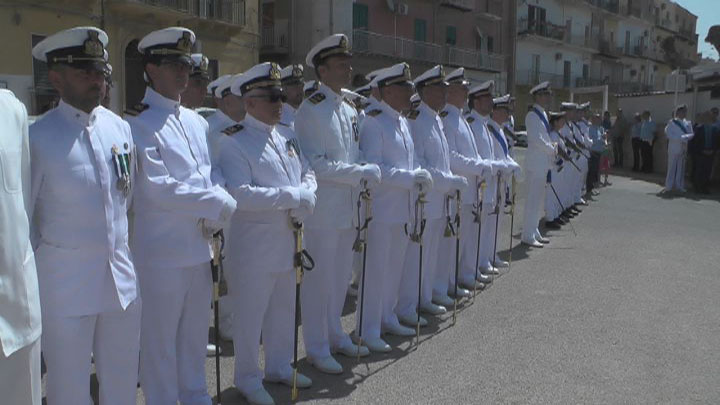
(283, 124)
(233, 129)
(316, 98)
(412, 114)
(374, 113)
(443, 114)
(136, 109)
(470, 119)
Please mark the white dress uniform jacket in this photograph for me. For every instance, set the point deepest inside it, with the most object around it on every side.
(80, 216)
(288, 115)
(267, 176)
(19, 300)
(433, 154)
(216, 123)
(385, 140)
(540, 151)
(174, 190)
(486, 149)
(465, 160)
(334, 155)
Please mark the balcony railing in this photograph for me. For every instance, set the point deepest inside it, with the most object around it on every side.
(274, 38)
(542, 28)
(612, 6)
(584, 41)
(406, 49)
(608, 48)
(229, 11)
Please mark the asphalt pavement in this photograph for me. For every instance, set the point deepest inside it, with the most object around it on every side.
(627, 311)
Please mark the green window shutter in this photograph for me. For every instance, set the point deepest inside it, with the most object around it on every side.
(360, 16)
(420, 29)
(450, 35)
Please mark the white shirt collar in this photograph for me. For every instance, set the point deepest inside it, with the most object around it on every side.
(76, 115)
(426, 108)
(257, 124)
(538, 107)
(155, 99)
(386, 107)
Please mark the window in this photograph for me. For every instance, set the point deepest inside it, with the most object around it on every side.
(360, 16)
(450, 35)
(490, 44)
(420, 29)
(478, 42)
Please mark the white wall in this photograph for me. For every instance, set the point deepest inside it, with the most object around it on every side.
(20, 85)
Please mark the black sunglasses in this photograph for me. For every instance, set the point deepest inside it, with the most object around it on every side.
(273, 98)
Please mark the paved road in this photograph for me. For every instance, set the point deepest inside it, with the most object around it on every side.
(626, 312)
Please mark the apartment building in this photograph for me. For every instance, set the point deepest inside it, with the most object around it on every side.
(227, 33)
(476, 34)
(582, 43)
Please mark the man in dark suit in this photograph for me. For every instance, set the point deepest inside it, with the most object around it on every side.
(703, 148)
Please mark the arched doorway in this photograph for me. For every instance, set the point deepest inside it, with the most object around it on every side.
(134, 82)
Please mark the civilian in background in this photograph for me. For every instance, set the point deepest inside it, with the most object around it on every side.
(703, 148)
(648, 134)
(617, 136)
(635, 140)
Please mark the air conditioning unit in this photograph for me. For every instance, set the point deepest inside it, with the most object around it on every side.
(403, 9)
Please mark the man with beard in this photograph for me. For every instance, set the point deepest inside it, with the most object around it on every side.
(82, 177)
(176, 209)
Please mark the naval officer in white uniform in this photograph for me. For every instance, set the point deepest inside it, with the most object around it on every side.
(275, 187)
(83, 160)
(386, 141)
(19, 299)
(327, 128)
(538, 160)
(176, 210)
(291, 77)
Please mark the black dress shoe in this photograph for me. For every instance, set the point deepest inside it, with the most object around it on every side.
(552, 225)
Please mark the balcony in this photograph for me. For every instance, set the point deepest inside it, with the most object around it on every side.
(607, 48)
(226, 11)
(463, 5)
(275, 38)
(611, 6)
(542, 29)
(592, 41)
(372, 43)
(631, 11)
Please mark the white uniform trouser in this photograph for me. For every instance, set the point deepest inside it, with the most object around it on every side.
(536, 183)
(264, 304)
(112, 338)
(386, 251)
(407, 303)
(487, 236)
(468, 251)
(20, 376)
(324, 288)
(675, 177)
(174, 334)
(581, 181)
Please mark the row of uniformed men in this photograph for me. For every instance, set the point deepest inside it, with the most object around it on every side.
(88, 165)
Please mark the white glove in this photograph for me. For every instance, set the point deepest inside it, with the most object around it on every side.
(371, 174)
(458, 183)
(307, 198)
(210, 227)
(300, 214)
(423, 179)
(515, 168)
(229, 206)
(484, 167)
(497, 166)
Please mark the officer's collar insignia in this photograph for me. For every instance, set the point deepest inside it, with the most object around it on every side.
(443, 114)
(317, 97)
(233, 129)
(413, 114)
(470, 119)
(136, 109)
(374, 113)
